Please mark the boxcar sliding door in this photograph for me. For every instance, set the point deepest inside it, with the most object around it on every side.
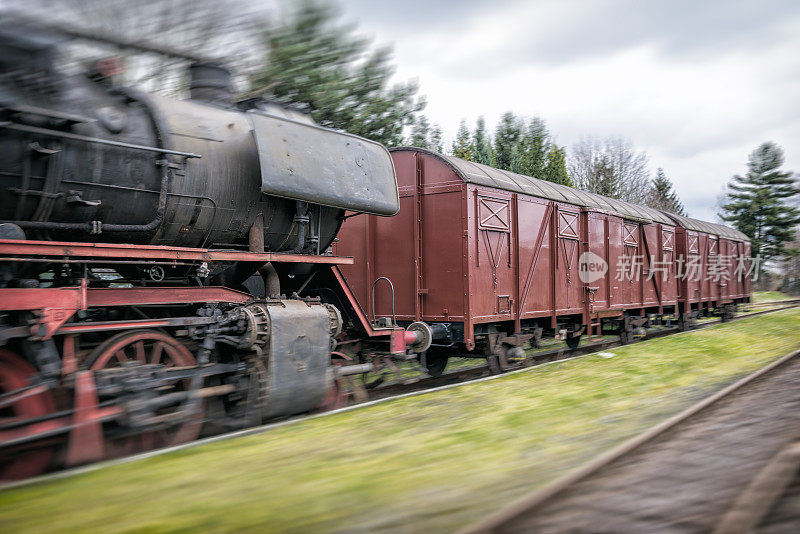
(569, 289)
(534, 221)
(669, 292)
(598, 289)
(493, 285)
(631, 265)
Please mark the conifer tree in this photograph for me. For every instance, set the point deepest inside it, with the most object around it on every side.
(531, 150)
(481, 144)
(759, 203)
(462, 145)
(435, 141)
(556, 166)
(315, 61)
(425, 135)
(662, 196)
(506, 137)
(420, 132)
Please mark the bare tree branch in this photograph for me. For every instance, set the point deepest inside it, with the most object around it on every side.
(612, 167)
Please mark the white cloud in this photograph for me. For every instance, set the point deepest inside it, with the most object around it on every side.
(697, 90)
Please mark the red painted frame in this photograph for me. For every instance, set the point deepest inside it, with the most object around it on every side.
(65, 249)
(56, 306)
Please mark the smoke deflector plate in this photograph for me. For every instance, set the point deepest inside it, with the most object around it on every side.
(304, 161)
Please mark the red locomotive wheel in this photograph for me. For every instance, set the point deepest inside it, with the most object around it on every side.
(144, 346)
(335, 398)
(15, 373)
(147, 347)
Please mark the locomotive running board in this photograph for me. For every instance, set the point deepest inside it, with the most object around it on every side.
(95, 251)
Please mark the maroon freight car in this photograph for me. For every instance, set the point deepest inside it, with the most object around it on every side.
(715, 263)
(492, 259)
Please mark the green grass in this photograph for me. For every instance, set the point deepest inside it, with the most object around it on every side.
(428, 463)
(769, 296)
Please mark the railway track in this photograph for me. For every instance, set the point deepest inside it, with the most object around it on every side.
(398, 390)
(543, 356)
(771, 501)
(728, 464)
(770, 303)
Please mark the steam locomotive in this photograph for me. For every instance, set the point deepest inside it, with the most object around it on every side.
(152, 257)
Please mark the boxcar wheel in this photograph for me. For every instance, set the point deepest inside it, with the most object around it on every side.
(435, 364)
(573, 341)
(728, 313)
(493, 361)
(626, 337)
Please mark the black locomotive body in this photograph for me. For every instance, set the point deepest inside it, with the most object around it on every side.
(80, 157)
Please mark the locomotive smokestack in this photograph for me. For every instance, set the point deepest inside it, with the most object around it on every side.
(210, 82)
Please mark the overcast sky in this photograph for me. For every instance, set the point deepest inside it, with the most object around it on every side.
(698, 85)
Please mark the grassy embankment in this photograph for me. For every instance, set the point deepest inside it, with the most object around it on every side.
(769, 296)
(422, 464)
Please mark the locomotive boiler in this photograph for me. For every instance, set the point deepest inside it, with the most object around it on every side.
(125, 166)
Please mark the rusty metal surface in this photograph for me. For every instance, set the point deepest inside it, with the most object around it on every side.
(297, 358)
(113, 326)
(304, 161)
(356, 305)
(15, 375)
(705, 250)
(386, 247)
(56, 306)
(290, 370)
(231, 176)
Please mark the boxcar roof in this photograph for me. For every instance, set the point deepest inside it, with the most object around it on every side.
(479, 174)
(476, 173)
(709, 228)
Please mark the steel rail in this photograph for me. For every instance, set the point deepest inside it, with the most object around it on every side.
(538, 498)
(760, 496)
(557, 354)
(576, 353)
(769, 303)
